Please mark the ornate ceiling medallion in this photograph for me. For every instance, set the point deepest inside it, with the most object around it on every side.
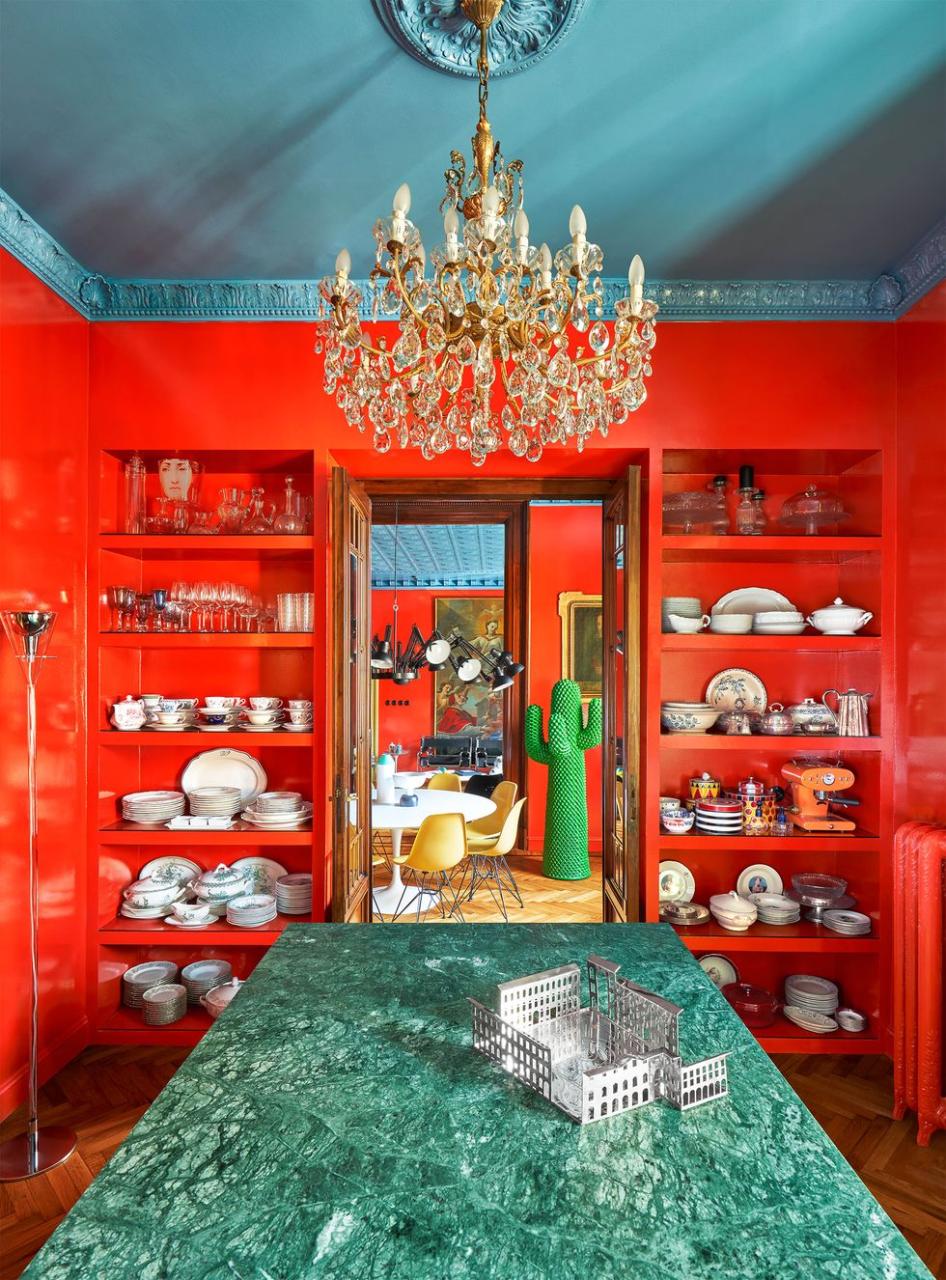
(503, 345)
(438, 32)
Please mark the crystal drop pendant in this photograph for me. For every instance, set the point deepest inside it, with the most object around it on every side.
(598, 337)
(560, 368)
(580, 317)
(407, 349)
(534, 451)
(381, 441)
(466, 350)
(519, 442)
(436, 338)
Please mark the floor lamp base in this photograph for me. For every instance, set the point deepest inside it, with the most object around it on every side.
(54, 1144)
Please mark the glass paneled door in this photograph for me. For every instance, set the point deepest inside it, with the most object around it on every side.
(621, 888)
(351, 792)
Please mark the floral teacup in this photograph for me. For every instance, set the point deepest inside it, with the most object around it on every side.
(265, 704)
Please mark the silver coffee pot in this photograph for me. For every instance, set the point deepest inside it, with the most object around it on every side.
(851, 712)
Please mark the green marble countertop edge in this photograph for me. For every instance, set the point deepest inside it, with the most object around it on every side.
(356, 1134)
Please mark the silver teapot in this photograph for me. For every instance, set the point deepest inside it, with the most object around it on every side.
(851, 712)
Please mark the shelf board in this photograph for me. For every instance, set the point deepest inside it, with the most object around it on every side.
(827, 842)
(785, 1037)
(149, 738)
(683, 548)
(124, 932)
(131, 1021)
(706, 640)
(239, 834)
(219, 547)
(794, 742)
(206, 640)
(794, 938)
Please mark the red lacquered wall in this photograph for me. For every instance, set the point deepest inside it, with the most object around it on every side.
(43, 519)
(921, 581)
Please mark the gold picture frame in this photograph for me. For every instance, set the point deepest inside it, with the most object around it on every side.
(582, 641)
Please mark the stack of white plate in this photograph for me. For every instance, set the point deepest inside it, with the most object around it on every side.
(815, 995)
(788, 622)
(203, 975)
(251, 909)
(278, 811)
(142, 977)
(809, 1019)
(682, 606)
(164, 1004)
(294, 894)
(775, 908)
(215, 802)
(152, 806)
(852, 923)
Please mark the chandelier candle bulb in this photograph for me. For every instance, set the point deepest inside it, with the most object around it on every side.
(342, 271)
(545, 267)
(635, 278)
(577, 227)
(520, 229)
(451, 226)
(400, 209)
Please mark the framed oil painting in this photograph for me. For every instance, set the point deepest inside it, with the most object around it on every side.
(469, 708)
(582, 641)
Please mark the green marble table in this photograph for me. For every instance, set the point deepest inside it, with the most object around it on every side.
(335, 1123)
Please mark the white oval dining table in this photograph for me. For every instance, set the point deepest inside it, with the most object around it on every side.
(397, 818)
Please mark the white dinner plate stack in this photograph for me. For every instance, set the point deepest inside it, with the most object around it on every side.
(775, 908)
(153, 806)
(215, 802)
(294, 894)
(278, 811)
(142, 977)
(809, 994)
(853, 924)
(251, 910)
(201, 976)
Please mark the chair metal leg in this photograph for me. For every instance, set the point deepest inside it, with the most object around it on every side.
(503, 866)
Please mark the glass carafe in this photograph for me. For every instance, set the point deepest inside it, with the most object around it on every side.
(290, 518)
(260, 518)
(200, 523)
(232, 509)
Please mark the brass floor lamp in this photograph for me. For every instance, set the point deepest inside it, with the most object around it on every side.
(37, 1149)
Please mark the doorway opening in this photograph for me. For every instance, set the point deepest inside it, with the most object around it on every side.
(525, 578)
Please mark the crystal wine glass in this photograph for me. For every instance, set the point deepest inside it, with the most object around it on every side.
(144, 605)
(126, 607)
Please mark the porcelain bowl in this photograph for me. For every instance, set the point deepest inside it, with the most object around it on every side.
(678, 822)
(151, 893)
(731, 624)
(683, 717)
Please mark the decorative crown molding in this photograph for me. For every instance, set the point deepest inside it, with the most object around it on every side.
(99, 297)
(436, 33)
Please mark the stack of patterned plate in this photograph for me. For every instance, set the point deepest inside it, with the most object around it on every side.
(294, 894)
(722, 817)
(142, 977)
(164, 1004)
(809, 1019)
(685, 914)
(251, 909)
(215, 802)
(278, 811)
(775, 908)
(152, 806)
(808, 993)
(203, 975)
(852, 923)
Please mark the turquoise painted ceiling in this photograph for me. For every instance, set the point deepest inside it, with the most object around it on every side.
(747, 139)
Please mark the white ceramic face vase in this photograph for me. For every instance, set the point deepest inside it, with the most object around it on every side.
(176, 476)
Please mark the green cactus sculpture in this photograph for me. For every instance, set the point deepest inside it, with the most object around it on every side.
(565, 852)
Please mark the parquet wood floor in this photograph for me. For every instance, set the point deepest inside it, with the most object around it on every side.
(544, 901)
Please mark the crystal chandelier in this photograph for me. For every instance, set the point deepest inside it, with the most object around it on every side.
(500, 344)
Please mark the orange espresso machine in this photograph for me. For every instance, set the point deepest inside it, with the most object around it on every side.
(814, 790)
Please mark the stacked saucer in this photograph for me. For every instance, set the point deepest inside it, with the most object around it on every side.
(203, 975)
(853, 924)
(294, 894)
(251, 909)
(152, 806)
(775, 908)
(810, 994)
(278, 811)
(214, 802)
(266, 720)
(809, 1019)
(720, 817)
(300, 716)
(142, 977)
(218, 719)
(684, 914)
(164, 1004)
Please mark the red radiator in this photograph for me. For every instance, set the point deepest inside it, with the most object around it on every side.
(919, 906)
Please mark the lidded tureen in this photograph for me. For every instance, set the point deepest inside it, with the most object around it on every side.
(219, 885)
(838, 619)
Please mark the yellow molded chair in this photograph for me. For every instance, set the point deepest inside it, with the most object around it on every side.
(445, 782)
(489, 865)
(439, 847)
(503, 797)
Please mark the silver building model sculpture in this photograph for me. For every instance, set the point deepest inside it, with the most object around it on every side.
(593, 1062)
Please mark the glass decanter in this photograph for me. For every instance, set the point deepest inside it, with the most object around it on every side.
(291, 518)
(133, 515)
(750, 514)
(232, 509)
(260, 518)
(200, 523)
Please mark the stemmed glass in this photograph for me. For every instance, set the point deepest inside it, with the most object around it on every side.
(160, 598)
(114, 598)
(126, 599)
(144, 605)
